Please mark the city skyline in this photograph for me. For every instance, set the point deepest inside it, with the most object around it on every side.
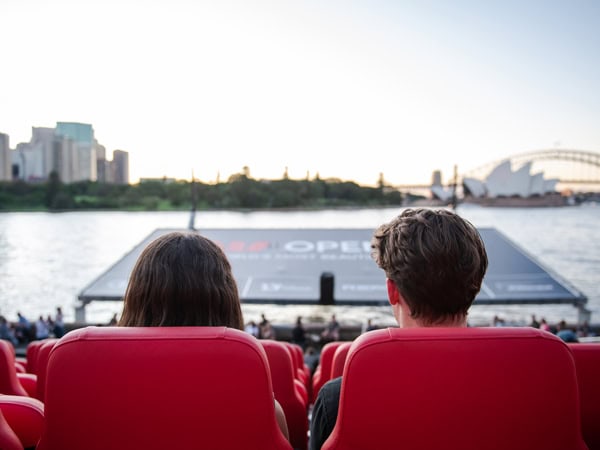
(70, 150)
(346, 89)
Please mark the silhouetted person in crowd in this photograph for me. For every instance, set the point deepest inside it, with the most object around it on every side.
(252, 329)
(584, 330)
(299, 333)
(534, 323)
(264, 323)
(42, 330)
(267, 331)
(311, 358)
(565, 333)
(184, 279)
(369, 326)
(59, 323)
(332, 331)
(498, 322)
(22, 329)
(434, 262)
(6, 331)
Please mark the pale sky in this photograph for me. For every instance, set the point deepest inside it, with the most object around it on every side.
(346, 88)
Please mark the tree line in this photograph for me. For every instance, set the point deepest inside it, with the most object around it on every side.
(239, 192)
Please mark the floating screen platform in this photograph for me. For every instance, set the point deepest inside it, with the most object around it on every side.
(286, 266)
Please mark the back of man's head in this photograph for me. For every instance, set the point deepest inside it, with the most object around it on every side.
(436, 259)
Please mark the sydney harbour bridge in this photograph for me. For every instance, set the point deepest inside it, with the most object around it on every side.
(578, 170)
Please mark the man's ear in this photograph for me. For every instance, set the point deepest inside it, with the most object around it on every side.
(393, 294)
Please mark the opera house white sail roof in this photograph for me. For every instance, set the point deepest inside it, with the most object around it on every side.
(502, 181)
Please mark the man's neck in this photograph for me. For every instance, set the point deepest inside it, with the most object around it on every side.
(459, 322)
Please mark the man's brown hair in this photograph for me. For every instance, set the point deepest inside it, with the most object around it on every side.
(182, 279)
(436, 259)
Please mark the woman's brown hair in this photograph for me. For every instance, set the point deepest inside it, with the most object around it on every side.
(182, 279)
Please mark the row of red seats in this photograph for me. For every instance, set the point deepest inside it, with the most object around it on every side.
(290, 376)
(165, 388)
(521, 380)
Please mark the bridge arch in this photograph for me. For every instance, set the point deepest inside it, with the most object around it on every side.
(583, 157)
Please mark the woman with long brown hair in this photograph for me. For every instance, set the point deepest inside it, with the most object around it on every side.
(184, 279)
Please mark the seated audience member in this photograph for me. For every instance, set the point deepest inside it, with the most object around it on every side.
(544, 326)
(59, 323)
(23, 329)
(42, 329)
(332, 331)
(311, 358)
(299, 333)
(565, 333)
(434, 262)
(263, 324)
(184, 279)
(534, 323)
(369, 326)
(6, 332)
(252, 329)
(268, 332)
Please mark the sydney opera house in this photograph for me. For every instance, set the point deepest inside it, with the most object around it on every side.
(504, 186)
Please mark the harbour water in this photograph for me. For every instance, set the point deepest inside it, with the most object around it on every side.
(46, 259)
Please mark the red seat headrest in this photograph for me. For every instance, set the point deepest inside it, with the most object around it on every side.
(159, 388)
(458, 388)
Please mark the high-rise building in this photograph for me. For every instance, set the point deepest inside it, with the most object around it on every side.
(5, 158)
(30, 162)
(42, 141)
(66, 159)
(102, 165)
(83, 136)
(120, 165)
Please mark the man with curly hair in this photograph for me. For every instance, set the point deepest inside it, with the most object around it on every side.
(434, 262)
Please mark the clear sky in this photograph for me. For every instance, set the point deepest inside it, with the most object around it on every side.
(346, 88)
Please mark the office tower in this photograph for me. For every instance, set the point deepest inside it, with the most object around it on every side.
(82, 135)
(30, 162)
(42, 142)
(66, 158)
(5, 158)
(102, 165)
(120, 165)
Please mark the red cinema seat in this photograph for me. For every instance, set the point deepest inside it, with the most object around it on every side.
(8, 438)
(20, 367)
(31, 356)
(25, 416)
(285, 386)
(159, 388)
(42, 362)
(587, 362)
(299, 371)
(298, 355)
(9, 382)
(323, 372)
(458, 388)
(27, 380)
(339, 359)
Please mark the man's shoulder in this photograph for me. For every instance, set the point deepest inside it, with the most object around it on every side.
(332, 388)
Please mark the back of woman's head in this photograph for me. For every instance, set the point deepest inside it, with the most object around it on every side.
(182, 279)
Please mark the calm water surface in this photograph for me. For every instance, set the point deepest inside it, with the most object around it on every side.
(47, 259)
